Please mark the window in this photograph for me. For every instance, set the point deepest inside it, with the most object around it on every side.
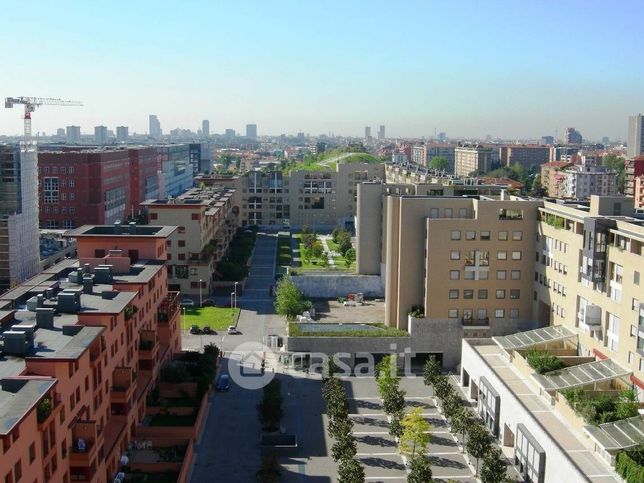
(182, 256)
(182, 229)
(452, 313)
(32, 452)
(517, 235)
(501, 274)
(515, 274)
(453, 293)
(470, 235)
(612, 332)
(195, 216)
(481, 314)
(456, 235)
(503, 235)
(154, 216)
(448, 212)
(500, 293)
(515, 294)
(516, 255)
(462, 212)
(483, 275)
(636, 277)
(454, 274)
(433, 213)
(469, 275)
(468, 293)
(514, 313)
(482, 293)
(499, 313)
(182, 243)
(455, 255)
(50, 190)
(71, 183)
(635, 304)
(17, 471)
(510, 214)
(485, 235)
(502, 255)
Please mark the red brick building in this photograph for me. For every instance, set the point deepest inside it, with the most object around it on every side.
(144, 176)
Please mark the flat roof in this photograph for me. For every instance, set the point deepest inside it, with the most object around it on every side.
(14, 405)
(523, 340)
(544, 415)
(111, 231)
(623, 434)
(581, 375)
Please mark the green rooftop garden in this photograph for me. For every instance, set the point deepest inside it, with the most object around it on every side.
(602, 407)
(542, 361)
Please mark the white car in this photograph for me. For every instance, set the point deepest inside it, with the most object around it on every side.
(187, 303)
(232, 330)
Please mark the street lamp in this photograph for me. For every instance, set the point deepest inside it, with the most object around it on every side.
(236, 294)
(200, 298)
(183, 319)
(232, 309)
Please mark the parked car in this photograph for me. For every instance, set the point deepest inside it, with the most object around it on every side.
(208, 330)
(223, 384)
(187, 303)
(232, 330)
(208, 303)
(195, 330)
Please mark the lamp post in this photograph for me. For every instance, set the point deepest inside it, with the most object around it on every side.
(183, 319)
(236, 294)
(232, 309)
(200, 296)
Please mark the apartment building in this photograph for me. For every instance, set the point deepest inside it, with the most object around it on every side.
(582, 181)
(19, 250)
(633, 168)
(176, 170)
(75, 373)
(320, 199)
(423, 154)
(552, 178)
(638, 192)
(419, 155)
(207, 219)
(589, 261)
(524, 154)
(472, 159)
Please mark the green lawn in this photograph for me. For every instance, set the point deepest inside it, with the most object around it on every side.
(339, 259)
(218, 318)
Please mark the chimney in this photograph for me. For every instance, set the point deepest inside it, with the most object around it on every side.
(45, 318)
(131, 228)
(88, 284)
(86, 267)
(117, 227)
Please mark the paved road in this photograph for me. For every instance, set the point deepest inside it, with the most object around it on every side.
(228, 450)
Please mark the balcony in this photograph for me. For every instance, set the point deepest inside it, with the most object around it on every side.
(169, 308)
(123, 385)
(148, 349)
(86, 439)
(480, 322)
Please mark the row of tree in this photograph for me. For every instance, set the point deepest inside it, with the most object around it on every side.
(411, 430)
(344, 448)
(464, 422)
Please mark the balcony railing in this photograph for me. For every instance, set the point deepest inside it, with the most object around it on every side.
(470, 322)
(168, 308)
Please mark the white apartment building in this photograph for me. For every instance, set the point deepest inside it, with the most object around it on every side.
(582, 181)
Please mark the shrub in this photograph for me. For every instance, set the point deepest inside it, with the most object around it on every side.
(417, 311)
(543, 362)
(630, 464)
(603, 408)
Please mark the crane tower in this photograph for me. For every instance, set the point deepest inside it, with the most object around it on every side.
(31, 103)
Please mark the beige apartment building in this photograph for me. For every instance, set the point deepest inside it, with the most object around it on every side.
(320, 199)
(468, 159)
(207, 218)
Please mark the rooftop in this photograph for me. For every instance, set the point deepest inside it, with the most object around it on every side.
(617, 435)
(17, 397)
(131, 229)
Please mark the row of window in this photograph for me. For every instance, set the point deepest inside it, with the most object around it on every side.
(56, 169)
(486, 236)
(484, 275)
(470, 256)
(500, 293)
(55, 210)
(468, 314)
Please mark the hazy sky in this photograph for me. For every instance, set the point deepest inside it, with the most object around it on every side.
(519, 68)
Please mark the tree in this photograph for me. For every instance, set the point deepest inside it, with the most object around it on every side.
(344, 242)
(415, 435)
(339, 426)
(461, 420)
(270, 472)
(289, 300)
(431, 371)
(451, 403)
(350, 471)
(478, 443)
(349, 257)
(420, 470)
(442, 387)
(394, 400)
(494, 467)
(386, 367)
(317, 250)
(537, 188)
(616, 163)
(439, 163)
(344, 448)
(395, 427)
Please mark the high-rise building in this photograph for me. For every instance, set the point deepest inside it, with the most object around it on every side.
(572, 136)
(635, 136)
(205, 128)
(155, 127)
(381, 133)
(122, 134)
(367, 133)
(229, 133)
(73, 134)
(100, 135)
(251, 131)
(60, 132)
(19, 240)
(469, 159)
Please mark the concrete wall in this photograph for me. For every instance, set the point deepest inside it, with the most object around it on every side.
(333, 286)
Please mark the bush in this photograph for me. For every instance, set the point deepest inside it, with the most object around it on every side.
(604, 408)
(630, 464)
(543, 362)
(417, 311)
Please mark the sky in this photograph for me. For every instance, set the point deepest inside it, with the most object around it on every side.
(512, 69)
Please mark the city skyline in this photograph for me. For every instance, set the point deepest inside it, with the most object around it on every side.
(351, 66)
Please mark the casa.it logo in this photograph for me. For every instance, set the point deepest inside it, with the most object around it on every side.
(251, 365)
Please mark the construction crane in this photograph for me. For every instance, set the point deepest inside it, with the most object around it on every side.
(31, 103)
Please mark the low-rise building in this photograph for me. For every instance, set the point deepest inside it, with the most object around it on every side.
(525, 155)
(633, 168)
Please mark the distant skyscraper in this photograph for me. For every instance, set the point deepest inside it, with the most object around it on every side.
(635, 136)
(122, 134)
(155, 127)
(573, 136)
(381, 132)
(60, 132)
(73, 134)
(547, 140)
(230, 133)
(367, 133)
(19, 237)
(205, 128)
(605, 140)
(251, 131)
(100, 135)
(441, 137)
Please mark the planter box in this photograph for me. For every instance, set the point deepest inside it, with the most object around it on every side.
(280, 444)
